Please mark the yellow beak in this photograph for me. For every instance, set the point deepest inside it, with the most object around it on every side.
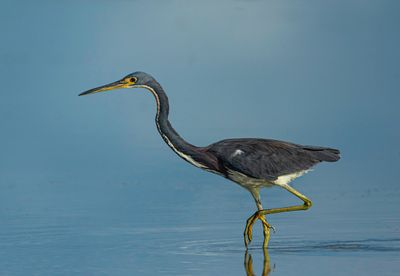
(114, 85)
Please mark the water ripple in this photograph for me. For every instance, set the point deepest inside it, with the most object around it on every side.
(212, 247)
(366, 245)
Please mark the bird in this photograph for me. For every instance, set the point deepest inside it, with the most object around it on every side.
(253, 163)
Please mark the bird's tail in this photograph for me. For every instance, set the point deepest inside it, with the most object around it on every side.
(324, 154)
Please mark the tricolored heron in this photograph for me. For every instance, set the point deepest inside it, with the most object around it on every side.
(250, 162)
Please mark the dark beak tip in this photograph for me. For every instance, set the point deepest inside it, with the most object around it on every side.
(106, 87)
(84, 93)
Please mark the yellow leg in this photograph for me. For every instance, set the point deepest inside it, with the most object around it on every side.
(306, 205)
(260, 214)
(248, 232)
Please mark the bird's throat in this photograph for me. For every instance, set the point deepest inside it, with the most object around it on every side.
(185, 150)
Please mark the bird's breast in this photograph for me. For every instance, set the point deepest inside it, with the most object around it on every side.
(247, 181)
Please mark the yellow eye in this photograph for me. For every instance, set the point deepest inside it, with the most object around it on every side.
(132, 80)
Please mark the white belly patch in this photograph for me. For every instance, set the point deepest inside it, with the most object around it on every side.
(286, 179)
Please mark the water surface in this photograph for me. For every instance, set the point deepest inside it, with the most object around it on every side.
(87, 186)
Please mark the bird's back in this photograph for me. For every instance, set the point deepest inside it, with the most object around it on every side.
(269, 159)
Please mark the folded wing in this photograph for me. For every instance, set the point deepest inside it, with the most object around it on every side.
(268, 159)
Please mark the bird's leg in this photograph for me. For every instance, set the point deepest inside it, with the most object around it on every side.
(307, 203)
(260, 214)
(248, 231)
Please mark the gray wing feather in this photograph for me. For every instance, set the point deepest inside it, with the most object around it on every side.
(269, 159)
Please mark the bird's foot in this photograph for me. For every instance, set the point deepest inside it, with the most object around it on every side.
(248, 231)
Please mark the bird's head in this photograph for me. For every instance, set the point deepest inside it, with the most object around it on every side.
(133, 80)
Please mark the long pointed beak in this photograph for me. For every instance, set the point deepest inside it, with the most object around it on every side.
(110, 86)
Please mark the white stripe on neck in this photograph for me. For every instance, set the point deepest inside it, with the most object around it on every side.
(166, 139)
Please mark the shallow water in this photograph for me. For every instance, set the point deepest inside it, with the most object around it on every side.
(84, 230)
(87, 186)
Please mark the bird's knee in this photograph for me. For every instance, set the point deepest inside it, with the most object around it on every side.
(307, 204)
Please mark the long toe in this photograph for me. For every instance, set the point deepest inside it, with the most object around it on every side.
(248, 231)
(266, 231)
(266, 224)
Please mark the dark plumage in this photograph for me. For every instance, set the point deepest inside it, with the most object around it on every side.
(252, 163)
(268, 159)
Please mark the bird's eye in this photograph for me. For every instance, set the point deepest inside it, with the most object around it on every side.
(132, 80)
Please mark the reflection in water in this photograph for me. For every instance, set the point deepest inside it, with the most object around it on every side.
(367, 245)
(248, 263)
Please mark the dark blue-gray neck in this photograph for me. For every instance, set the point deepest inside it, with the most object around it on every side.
(184, 149)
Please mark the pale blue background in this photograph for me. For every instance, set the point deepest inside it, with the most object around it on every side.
(88, 187)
